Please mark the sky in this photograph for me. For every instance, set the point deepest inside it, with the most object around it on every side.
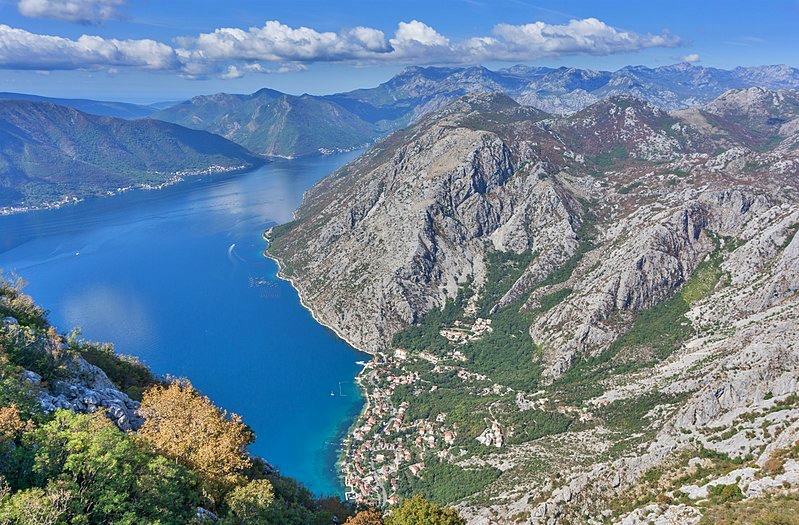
(167, 50)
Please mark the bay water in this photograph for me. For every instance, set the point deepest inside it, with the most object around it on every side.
(176, 277)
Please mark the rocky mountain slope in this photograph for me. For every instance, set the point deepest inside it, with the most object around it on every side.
(640, 269)
(273, 123)
(52, 154)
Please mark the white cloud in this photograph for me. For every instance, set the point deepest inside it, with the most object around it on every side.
(276, 42)
(20, 49)
(232, 72)
(415, 42)
(691, 58)
(80, 11)
(587, 36)
(232, 52)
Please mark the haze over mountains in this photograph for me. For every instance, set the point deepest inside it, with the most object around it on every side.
(95, 107)
(273, 123)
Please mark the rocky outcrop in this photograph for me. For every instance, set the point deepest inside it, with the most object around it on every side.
(421, 217)
(617, 209)
(87, 390)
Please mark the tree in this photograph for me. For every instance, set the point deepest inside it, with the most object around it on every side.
(109, 477)
(419, 511)
(366, 517)
(248, 503)
(36, 506)
(184, 425)
(11, 424)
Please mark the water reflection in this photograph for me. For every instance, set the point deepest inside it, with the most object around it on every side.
(176, 277)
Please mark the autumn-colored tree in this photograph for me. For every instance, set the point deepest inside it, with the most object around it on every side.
(184, 425)
(419, 511)
(249, 503)
(11, 423)
(335, 507)
(366, 517)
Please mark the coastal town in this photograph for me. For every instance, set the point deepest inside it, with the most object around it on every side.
(173, 178)
(391, 445)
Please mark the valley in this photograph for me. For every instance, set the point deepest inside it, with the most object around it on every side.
(399, 263)
(564, 305)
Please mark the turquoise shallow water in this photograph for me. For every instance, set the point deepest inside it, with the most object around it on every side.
(176, 277)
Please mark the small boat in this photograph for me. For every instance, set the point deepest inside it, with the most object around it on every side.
(331, 393)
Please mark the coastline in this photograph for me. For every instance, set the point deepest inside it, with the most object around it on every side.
(358, 377)
(304, 304)
(176, 178)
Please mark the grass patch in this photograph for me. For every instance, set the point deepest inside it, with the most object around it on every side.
(611, 157)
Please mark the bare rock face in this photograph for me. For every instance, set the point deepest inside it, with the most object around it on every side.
(622, 208)
(640, 271)
(420, 216)
(89, 390)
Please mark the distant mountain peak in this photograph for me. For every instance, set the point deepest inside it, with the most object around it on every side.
(312, 124)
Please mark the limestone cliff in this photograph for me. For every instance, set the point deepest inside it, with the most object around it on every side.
(624, 213)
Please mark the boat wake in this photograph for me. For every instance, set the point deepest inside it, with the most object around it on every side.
(232, 255)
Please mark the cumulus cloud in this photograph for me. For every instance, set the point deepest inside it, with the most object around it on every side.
(588, 36)
(691, 58)
(276, 47)
(20, 49)
(80, 11)
(275, 42)
(416, 42)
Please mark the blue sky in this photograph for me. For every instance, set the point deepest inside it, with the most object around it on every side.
(151, 50)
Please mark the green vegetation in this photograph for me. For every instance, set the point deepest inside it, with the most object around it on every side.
(443, 482)
(127, 372)
(81, 155)
(770, 510)
(607, 159)
(528, 425)
(424, 335)
(549, 301)
(624, 190)
(655, 333)
(418, 511)
(791, 233)
(69, 468)
(502, 270)
(96, 473)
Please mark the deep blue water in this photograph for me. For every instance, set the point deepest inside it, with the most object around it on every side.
(177, 277)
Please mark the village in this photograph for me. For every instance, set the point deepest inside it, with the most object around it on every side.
(385, 447)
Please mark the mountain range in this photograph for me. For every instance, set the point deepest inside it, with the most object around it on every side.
(272, 123)
(124, 110)
(51, 154)
(41, 166)
(584, 315)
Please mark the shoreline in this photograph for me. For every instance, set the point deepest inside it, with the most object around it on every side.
(358, 377)
(282, 276)
(176, 178)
